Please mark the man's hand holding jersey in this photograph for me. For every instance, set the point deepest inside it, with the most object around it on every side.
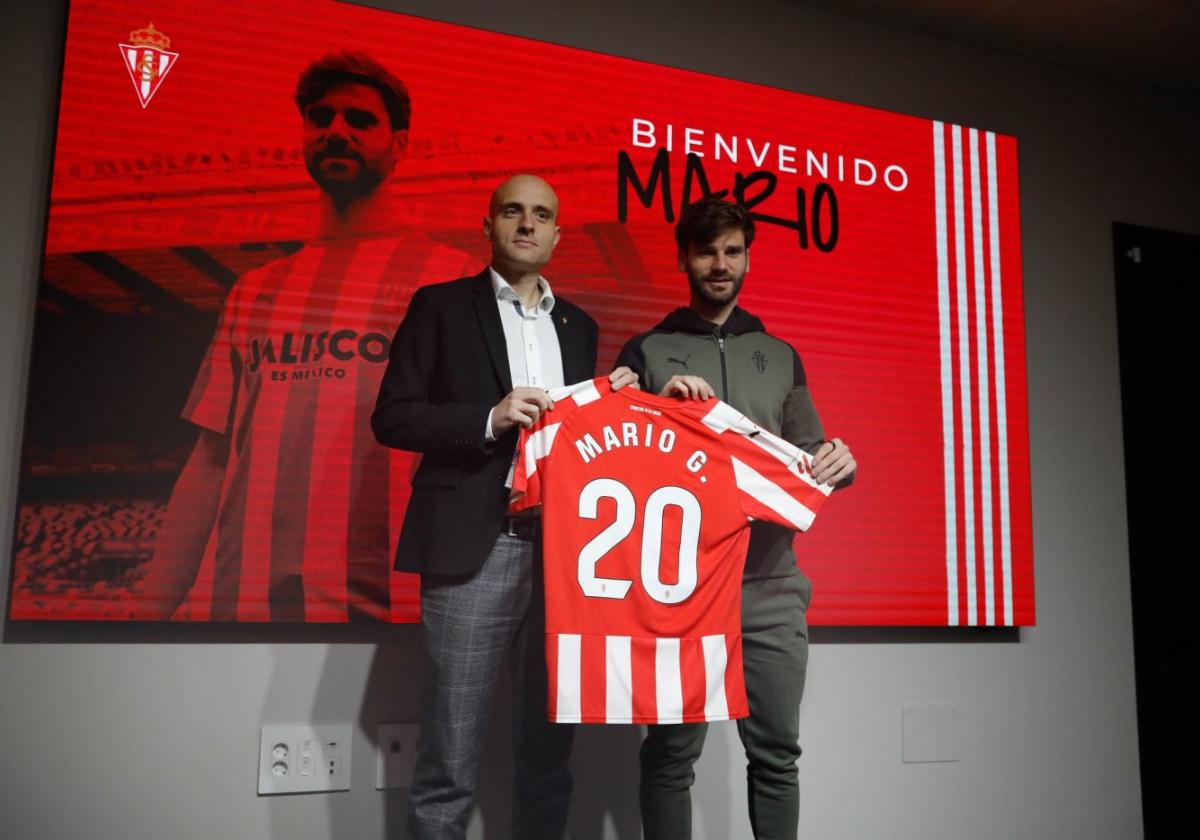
(832, 463)
(688, 388)
(623, 377)
(520, 407)
(523, 406)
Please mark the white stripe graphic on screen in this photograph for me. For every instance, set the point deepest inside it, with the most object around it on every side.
(981, 356)
(618, 679)
(948, 449)
(716, 705)
(667, 686)
(1001, 399)
(755, 484)
(568, 703)
(964, 378)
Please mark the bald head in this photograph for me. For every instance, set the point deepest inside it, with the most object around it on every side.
(523, 184)
(522, 225)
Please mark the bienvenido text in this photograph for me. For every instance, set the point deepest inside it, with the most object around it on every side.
(785, 158)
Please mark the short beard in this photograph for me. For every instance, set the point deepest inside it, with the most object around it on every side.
(344, 192)
(704, 293)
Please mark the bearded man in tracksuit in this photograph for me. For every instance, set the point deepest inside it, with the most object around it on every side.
(709, 348)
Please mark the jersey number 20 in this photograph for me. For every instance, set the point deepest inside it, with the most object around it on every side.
(652, 524)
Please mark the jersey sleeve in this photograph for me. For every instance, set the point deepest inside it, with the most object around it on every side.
(773, 477)
(211, 400)
(537, 441)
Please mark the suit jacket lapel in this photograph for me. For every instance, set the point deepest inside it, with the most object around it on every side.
(493, 332)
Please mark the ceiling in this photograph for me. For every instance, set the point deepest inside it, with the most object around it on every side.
(1155, 42)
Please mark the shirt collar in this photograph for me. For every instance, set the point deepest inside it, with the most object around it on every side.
(504, 291)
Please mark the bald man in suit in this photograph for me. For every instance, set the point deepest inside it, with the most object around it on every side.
(470, 365)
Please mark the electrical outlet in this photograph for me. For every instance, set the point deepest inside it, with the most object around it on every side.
(304, 759)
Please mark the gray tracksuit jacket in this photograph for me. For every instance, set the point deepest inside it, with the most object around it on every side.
(753, 371)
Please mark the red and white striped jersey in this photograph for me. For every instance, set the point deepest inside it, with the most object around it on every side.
(311, 505)
(646, 506)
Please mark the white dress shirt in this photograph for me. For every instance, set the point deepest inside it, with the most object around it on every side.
(534, 357)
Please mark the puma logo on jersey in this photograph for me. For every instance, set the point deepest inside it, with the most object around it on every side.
(682, 361)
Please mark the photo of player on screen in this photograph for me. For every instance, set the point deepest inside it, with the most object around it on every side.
(285, 492)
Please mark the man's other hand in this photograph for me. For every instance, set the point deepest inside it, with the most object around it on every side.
(833, 462)
(622, 377)
(520, 407)
(687, 387)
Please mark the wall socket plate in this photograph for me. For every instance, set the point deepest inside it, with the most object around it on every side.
(396, 755)
(304, 759)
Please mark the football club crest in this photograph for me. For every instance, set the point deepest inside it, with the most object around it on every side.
(148, 59)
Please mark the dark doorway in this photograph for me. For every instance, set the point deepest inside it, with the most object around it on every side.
(1156, 276)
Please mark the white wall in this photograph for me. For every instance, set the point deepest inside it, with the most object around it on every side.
(144, 732)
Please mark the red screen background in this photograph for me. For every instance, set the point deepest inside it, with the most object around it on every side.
(910, 326)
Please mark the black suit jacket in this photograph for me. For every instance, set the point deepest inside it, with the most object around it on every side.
(448, 367)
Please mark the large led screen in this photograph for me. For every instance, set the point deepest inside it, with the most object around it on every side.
(213, 320)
